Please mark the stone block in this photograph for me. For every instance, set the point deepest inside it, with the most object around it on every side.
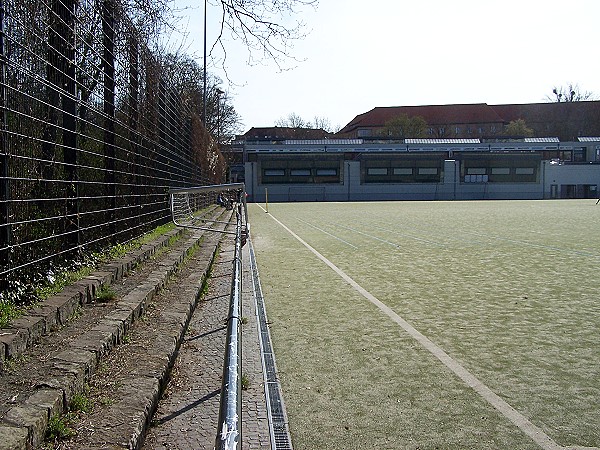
(81, 363)
(66, 303)
(49, 314)
(100, 340)
(50, 399)
(122, 315)
(13, 437)
(14, 341)
(35, 325)
(116, 268)
(105, 277)
(31, 417)
(64, 382)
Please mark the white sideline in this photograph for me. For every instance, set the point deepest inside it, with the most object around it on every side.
(531, 430)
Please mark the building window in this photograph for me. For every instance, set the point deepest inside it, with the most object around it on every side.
(579, 155)
(300, 172)
(364, 132)
(377, 171)
(476, 171)
(274, 172)
(524, 171)
(566, 155)
(327, 172)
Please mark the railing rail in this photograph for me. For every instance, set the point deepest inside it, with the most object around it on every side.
(229, 429)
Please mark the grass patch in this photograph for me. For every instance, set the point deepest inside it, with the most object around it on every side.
(59, 428)
(106, 294)
(8, 311)
(245, 382)
(81, 403)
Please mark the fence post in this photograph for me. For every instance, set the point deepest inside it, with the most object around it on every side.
(69, 119)
(5, 227)
(133, 123)
(108, 67)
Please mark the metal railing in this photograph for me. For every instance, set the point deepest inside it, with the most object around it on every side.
(229, 429)
(92, 135)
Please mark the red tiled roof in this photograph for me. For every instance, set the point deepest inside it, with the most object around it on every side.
(433, 115)
(567, 119)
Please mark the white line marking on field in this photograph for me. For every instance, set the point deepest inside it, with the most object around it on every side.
(531, 430)
(393, 244)
(327, 233)
(410, 236)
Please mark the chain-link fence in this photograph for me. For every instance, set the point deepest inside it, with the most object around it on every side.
(92, 134)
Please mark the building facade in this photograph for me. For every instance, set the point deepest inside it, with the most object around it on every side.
(333, 169)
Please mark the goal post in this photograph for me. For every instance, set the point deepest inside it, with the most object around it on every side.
(196, 207)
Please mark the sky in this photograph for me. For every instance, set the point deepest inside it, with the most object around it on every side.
(358, 55)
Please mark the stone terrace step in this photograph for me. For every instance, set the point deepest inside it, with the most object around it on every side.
(23, 425)
(56, 310)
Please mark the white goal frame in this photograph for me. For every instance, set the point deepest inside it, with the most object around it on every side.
(186, 203)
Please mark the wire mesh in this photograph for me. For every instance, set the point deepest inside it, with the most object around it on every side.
(92, 135)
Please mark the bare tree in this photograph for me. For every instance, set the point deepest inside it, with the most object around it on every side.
(323, 123)
(293, 120)
(186, 75)
(569, 93)
(261, 25)
(150, 18)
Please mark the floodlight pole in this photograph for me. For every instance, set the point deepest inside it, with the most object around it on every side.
(204, 82)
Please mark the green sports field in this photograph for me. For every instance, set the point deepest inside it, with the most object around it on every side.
(435, 324)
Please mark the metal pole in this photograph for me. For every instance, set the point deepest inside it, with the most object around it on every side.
(266, 200)
(204, 92)
(229, 431)
(5, 227)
